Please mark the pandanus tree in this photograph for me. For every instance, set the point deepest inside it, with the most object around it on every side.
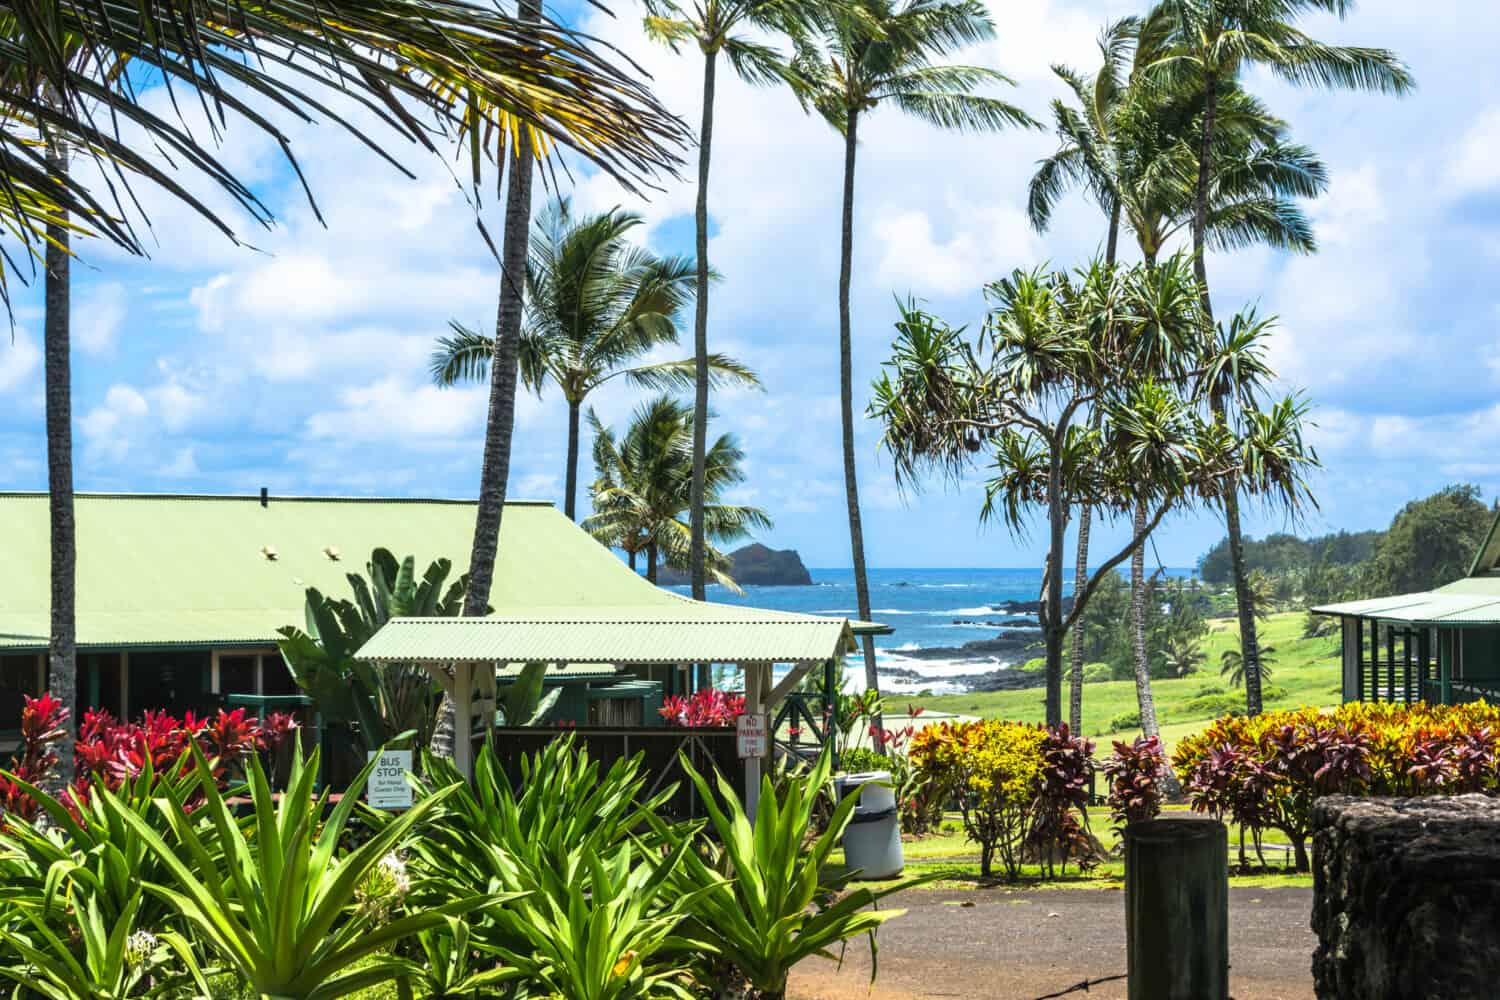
(1201, 48)
(431, 72)
(1138, 156)
(730, 28)
(1079, 392)
(869, 54)
(644, 489)
(596, 304)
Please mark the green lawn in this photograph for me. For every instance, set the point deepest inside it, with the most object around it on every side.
(1306, 669)
(955, 860)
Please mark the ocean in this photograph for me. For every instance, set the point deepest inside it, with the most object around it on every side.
(929, 609)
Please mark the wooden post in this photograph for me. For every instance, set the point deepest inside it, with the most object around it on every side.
(753, 705)
(124, 685)
(1177, 909)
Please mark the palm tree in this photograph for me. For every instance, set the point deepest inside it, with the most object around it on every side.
(1085, 156)
(644, 487)
(596, 303)
(882, 52)
(62, 74)
(1232, 665)
(1200, 47)
(1183, 657)
(716, 26)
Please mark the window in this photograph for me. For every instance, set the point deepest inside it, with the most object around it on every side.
(17, 680)
(236, 673)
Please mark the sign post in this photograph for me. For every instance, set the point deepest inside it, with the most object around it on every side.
(387, 787)
(750, 735)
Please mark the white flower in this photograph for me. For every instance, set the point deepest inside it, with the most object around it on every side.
(139, 948)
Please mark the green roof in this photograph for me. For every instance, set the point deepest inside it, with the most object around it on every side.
(162, 570)
(692, 632)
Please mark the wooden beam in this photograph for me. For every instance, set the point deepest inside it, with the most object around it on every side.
(789, 682)
(463, 718)
(753, 673)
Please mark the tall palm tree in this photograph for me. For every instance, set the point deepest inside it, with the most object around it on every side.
(61, 74)
(1232, 665)
(1200, 47)
(1085, 156)
(716, 26)
(1183, 657)
(881, 52)
(644, 487)
(596, 303)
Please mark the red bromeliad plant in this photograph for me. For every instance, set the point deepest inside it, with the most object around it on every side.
(706, 707)
(109, 753)
(43, 723)
(1135, 771)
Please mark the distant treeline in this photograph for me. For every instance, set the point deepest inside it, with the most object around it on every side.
(1430, 542)
(1283, 553)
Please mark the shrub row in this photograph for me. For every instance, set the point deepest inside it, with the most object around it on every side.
(1264, 773)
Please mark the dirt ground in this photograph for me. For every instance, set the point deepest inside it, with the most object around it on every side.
(1026, 945)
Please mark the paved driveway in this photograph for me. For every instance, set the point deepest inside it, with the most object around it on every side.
(1024, 945)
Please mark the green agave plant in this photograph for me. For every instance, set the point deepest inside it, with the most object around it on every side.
(94, 851)
(781, 903)
(117, 960)
(273, 900)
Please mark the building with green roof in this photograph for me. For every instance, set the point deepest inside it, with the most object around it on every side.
(179, 599)
(1440, 646)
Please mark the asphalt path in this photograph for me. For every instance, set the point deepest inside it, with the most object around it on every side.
(1023, 945)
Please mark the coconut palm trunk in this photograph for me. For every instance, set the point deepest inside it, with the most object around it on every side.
(500, 422)
(846, 402)
(62, 649)
(570, 498)
(696, 572)
(1138, 627)
(1245, 611)
(1081, 562)
(651, 557)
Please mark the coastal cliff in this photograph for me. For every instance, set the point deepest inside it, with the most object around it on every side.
(755, 565)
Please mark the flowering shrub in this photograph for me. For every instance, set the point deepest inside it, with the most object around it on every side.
(706, 707)
(1134, 771)
(1264, 773)
(108, 752)
(43, 723)
(1020, 788)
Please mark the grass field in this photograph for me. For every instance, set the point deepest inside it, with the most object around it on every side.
(1307, 670)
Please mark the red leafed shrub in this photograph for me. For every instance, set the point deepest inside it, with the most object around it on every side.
(1059, 830)
(107, 752)
(1135, 771)
(706, 707)
(43, 723)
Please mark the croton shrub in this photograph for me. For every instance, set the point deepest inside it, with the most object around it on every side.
(1264, 773)
(1021, 789)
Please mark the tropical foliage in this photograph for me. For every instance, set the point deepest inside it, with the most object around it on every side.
(1083, 390)
(596, 304)
(644, 487)
(574, 881)
(1022, 789)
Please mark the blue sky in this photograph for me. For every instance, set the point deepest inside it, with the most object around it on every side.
(300, 364)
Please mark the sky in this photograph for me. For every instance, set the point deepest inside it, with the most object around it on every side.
(298, 362)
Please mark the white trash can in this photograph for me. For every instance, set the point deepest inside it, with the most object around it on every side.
(872, 840)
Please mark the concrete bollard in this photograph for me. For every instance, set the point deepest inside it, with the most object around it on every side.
(1177, 909)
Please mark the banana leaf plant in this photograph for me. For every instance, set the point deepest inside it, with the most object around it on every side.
(381, 701)
(273, 900)
(783, 901)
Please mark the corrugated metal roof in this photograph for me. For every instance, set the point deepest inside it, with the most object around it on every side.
(1473, 601)
(192, 570)
(694, 633)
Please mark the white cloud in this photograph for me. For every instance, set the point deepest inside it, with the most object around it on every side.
(1474, 164)
(97, 319)
(108, 426)
(19, 357)
(395, 409)
(183, 465)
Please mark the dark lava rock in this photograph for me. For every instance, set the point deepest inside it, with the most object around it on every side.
(1406, 898)
(755, 565)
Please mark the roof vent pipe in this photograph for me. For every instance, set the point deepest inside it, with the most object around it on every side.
(265, 497)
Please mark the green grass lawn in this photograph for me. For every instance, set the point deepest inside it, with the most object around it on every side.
(954, 859)
(1307, 670)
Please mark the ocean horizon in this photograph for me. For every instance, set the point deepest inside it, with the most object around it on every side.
(934, 613)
